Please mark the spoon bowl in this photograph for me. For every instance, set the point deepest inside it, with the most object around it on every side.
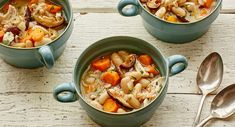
(210, 73)
(223, 105)
(209, 78)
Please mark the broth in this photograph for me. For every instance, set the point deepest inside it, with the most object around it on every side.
(179, 11)
(30, 23)
(121, 82)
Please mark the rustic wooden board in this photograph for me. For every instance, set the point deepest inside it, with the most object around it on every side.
(111, 5)
(41, 110)
(219, 38)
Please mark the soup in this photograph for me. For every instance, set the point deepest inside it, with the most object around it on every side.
(179, 10)
(121, 82)
(30, 23)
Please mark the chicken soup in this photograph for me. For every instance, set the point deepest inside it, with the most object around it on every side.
(181, 11)
(30, 23)
(121, 82)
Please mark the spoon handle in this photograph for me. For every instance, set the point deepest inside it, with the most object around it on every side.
(196, 121)
(205, 121)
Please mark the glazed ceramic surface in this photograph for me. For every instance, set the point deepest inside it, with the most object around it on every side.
(44, 55)
(167, 66)
(166, 31)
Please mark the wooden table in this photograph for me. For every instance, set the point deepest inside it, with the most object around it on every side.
(26, 95)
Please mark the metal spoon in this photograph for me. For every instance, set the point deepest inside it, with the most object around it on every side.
(209, 77)
(223, 105)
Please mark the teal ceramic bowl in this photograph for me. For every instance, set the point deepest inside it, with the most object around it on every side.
(70, 92)
(40, 56)
(166, 31)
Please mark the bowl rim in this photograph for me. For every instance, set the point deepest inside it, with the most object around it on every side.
(218, 4)
(126, 113)
(61, 35)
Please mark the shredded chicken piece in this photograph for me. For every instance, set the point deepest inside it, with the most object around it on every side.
(11, 17)
(141, 69)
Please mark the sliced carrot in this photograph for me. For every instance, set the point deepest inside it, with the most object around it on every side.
(6, 7)
(37, 34)
(110, 105)
(111, 77)
(1, 35)
(33, 1)
(152, 69)
(101, 64)
(53, 8)
(208, 3)
(203, 12)
(145, 59)
(172, 18)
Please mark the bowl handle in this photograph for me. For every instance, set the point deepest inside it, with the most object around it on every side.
(68, 90)
(177, 64)
(133, 11)
(47, 56)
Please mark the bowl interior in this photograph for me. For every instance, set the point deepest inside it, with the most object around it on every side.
(112, 44)
(67, 12)
(217, 6)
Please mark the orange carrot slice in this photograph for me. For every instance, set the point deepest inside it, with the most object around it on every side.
(145, 59)
(101, 64)
(172, 19)
(1, 35)
(37, 34)
(203, 12)
(6, 7)
(111, 77)
(152, 69)
(110, 105)
(208, 3)
(53, 8)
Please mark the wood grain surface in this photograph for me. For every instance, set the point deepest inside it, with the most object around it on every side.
(26, 95)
